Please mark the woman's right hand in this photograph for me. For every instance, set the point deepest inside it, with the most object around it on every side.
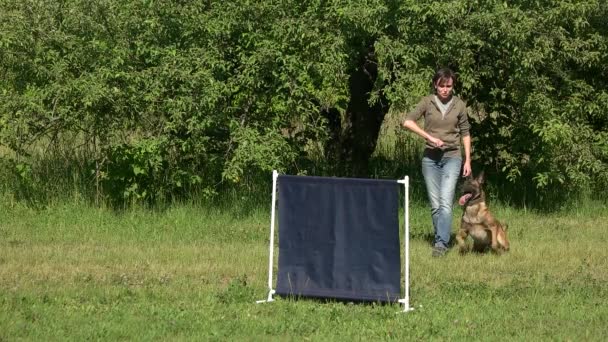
(413, 126)
(435, 141)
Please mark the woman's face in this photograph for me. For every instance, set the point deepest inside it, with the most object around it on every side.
(444, 87)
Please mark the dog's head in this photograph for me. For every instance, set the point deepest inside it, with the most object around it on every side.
(472, 190)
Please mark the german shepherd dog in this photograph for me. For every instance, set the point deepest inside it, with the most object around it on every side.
(477, 221)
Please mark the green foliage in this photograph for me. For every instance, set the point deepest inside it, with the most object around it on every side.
(136, 172)
(534, 74)
(154, 99)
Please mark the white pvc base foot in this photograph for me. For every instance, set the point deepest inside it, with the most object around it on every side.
(269, 299)
(406, 305)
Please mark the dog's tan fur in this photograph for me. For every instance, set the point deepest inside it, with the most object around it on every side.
(477, 221)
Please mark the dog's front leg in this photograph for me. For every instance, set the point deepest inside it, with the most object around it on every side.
(461, 238)
(494, 232)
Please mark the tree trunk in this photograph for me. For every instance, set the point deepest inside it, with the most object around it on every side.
(355, 136)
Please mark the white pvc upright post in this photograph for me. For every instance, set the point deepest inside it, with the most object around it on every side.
(271, 291)
(406, 301)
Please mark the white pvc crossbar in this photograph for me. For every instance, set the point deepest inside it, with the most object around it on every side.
(405, 301)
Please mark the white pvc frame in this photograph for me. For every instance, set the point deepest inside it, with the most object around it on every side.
(271, 291)
(406, 236)
(405, 301)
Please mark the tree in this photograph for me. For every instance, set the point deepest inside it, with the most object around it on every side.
(151, 100)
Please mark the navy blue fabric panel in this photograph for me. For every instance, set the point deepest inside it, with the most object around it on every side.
(339, 238)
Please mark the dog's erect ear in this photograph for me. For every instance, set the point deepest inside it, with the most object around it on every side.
(481, 178)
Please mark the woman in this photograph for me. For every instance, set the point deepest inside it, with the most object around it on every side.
(445, 124)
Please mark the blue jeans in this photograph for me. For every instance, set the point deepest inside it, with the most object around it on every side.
(441, 175)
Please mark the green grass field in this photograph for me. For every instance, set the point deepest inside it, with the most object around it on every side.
(70, 272)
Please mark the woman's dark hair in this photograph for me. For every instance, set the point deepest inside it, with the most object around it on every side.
(444, 74)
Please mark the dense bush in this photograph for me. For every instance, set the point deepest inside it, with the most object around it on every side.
(150, 100)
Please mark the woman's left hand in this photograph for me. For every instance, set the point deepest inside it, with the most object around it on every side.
(466, 169)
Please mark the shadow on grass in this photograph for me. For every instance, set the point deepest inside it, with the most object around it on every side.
(343, 301)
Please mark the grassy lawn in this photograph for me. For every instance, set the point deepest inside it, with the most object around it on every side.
(74, 273)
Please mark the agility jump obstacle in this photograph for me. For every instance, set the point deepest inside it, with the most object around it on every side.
(339, 238)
